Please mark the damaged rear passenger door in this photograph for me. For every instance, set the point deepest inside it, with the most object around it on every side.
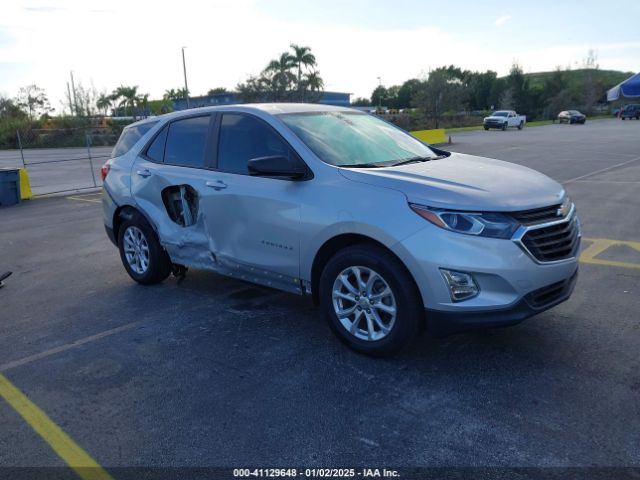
(167, 182)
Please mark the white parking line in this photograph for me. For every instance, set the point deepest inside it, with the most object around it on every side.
(602, 170)
(67, 346)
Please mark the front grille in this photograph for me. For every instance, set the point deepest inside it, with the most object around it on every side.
(538, 215)
(554, 242)
(551, 293)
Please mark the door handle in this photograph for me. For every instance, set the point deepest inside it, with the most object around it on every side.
(217, 185)
(144, 173)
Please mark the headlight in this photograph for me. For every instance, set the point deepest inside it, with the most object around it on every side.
(494, 225)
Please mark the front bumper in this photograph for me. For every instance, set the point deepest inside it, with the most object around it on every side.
(493, 123)
(442, 323)
(512, 285)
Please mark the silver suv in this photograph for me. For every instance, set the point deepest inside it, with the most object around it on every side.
(386, 233)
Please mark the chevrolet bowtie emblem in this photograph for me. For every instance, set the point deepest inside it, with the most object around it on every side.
(563, 211)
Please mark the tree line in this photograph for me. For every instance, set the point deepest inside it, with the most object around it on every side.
(449, 91)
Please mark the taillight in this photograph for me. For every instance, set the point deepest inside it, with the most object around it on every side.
(104, 171)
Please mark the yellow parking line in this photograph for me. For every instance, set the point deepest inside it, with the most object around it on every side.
(73, 455)
(599, 245)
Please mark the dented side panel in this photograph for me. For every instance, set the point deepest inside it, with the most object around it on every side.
(255, 221)
(187, 244)
(248, 229)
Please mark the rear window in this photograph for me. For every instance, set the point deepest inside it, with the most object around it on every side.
(129, 137)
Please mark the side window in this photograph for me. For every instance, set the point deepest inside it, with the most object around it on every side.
(129, 137)
(187, 141)
(156, 150)
(243, 137)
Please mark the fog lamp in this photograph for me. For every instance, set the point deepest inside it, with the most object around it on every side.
(462, 286)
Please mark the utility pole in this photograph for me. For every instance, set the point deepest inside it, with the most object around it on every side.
(379, 95)
(184, 69)
(70, 101)
(73, 88)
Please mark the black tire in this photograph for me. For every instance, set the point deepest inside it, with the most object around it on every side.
(520, 125)
(486, 128)
(159, 264)
(504, 126)
(408, 302)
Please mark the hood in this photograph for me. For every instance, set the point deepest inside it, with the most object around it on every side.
(465, 182)
(492, 117)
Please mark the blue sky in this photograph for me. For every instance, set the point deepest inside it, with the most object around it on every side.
(126, 42)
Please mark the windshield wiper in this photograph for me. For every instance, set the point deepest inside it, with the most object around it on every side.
(363, 165)
(415, 160)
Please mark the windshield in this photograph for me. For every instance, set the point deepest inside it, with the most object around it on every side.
(355, 139)
(500, 114)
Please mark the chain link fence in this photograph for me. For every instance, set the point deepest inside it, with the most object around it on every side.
(62, 160)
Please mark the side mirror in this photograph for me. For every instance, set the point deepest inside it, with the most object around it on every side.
(276, 166)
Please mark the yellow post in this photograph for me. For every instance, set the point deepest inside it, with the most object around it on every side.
(25, 186)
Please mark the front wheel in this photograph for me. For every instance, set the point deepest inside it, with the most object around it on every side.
(486, 128)
(504, 126)
(370, 300)
(143, 257)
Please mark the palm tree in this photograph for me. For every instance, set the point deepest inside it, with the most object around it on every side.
(281, 77)
(142, 102)
(127, 96)
(314, 83)
(182, 93)
(170, 94)
(103, 103)
(302, 57)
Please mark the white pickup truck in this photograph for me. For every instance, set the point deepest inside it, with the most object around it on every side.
(503, 119)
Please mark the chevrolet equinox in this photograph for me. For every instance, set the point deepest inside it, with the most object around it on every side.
(385, 232)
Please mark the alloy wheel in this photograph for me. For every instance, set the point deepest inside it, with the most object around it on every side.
(364, 303)
(136, 249)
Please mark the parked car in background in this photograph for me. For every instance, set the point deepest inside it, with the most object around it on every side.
(572, 116)
(384, 232)
(504, 119)
(631, 111)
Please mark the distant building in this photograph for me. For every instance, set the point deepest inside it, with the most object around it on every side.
(231, 98)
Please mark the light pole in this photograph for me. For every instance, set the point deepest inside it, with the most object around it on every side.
(73, 89)
(70, 100)
(379, 94)
(184, 69)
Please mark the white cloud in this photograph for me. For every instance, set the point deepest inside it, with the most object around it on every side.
(138, 43)
(501, 20)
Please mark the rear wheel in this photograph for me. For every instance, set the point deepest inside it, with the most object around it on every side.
(370, 300)
(520, 125)
(143, 257)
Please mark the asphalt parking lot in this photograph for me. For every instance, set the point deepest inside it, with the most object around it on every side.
(215, 372)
